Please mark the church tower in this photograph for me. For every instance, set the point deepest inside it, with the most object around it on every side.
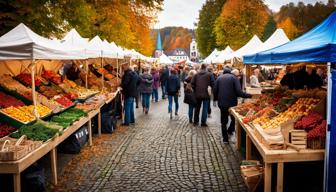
(158, 50)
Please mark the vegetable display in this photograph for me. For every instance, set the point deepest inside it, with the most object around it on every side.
(7, 101)
(37, 132)
(26, 79)
(319, 131)
(48, 91)
(18, 114)
(309, 122)
(68, 117)
(52, 76)
(65, 102)
(5, 129)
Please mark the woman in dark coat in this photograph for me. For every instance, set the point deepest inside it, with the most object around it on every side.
(146, 89)
(188, 95)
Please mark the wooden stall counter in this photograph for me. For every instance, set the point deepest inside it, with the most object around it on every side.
(272, 156)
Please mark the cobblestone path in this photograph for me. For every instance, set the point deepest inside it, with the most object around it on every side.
(156, 154)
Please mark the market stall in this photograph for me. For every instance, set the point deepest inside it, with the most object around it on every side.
(43, 109)
(299, 119)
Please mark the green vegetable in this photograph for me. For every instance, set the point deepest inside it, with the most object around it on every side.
(37, 132)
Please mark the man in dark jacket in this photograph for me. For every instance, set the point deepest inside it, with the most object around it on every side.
(129, 83)
(173, 88)
(163, 78)
(200, 83)
(227, 89)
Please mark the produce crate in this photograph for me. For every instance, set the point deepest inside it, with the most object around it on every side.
(298, 138)
(271, 142)
(316, 143)
(16, 95)
(252, 174)
(12, 121)
(23, 141)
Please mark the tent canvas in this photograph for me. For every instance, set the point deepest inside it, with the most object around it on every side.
(317, 45)
(222, 57)
(96, 44)
(118, 49)
(278, 38)
(21, 43)
(211, 57)
(163, 59)
(73, 38)
(249, 48)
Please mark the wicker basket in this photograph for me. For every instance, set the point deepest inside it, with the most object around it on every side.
(316, 143)
(11, 152)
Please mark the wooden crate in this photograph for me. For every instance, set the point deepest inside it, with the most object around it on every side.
(298, 138)
(252, 175)
(266, 140)
(316, 143)
(10, 152)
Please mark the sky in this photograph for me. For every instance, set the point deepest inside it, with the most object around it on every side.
(185, 12)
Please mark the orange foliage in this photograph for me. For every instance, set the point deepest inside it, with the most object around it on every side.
(288, 26)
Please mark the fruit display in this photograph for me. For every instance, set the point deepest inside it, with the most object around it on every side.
(65, 102)
(301, 107)
(18, 114)
(42, 110)
(51, 104)
(49, 91)
(309, 121)
(7, 101)
(10, 84)
(26, 79)
(71, 96)
(319, 131)
(37, 132)
(71, 87)
(52, 76)
(105, 73)
(5, 129)
(66, 118)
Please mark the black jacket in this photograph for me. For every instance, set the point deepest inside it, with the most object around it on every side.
(129, 83)
(227, 90)
(200, 83)
(164, 75)
(173, 85)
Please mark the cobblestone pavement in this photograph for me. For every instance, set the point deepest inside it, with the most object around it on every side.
(156, 154)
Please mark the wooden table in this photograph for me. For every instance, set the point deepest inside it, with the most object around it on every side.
(270, 156)
(16, 167)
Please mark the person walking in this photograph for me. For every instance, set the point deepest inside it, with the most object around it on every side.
(173, 88)
(227, 89)
(146, 89)
(156, 84)
(200, 84)
(189, 96)
(210, 69)
(129, 84)
(163, 78)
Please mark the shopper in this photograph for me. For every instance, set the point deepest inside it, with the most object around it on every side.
(200, 84)
(146, 89)
(173, 88)
(189, 96)
(210, 69)
(137, 97)
(129, 83)
(254, 79)
(163, 78)
(155, 85)
(227, 89)
(313, 80)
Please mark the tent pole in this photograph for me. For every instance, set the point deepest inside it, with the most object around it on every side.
(117, 69)
(87, 73)
(33, 88)
(326, 155)
(101, 64)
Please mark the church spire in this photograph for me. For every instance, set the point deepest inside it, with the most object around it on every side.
(158, 41)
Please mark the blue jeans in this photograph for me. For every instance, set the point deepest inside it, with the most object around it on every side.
(164, 87)
(191, 111)
(129, 110)
(205, 108)
(170, 103)
(145, 100)
(155, 95)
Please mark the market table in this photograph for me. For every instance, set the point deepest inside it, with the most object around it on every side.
(270, 156)
(16, 167)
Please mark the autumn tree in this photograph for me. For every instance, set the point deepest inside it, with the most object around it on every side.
(269, 28)
(205, 36)
(239, 21)
(289, 28)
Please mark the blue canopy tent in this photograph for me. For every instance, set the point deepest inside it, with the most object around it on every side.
(317, 46)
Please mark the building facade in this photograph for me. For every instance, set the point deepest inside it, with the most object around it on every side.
(178, 54)
(193, 51)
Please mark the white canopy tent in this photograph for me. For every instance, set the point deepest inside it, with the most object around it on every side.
(73, 38)
(96, 44)
(250, 47)
(278, 38)
(118, 49)
(21, 43)
(163, 59)
(222, 57)
(211, 57)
